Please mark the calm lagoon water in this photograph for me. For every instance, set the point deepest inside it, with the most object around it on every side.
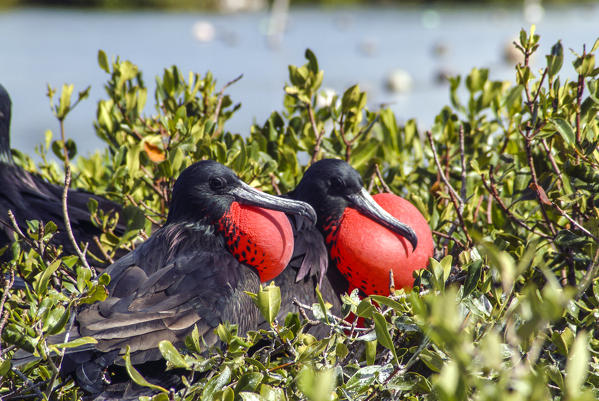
(46, 46)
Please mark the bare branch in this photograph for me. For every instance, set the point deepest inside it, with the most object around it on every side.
(319, 135)
(381, 179)
(455, 199)
(67, 221)
(273, 182)
(492, 189)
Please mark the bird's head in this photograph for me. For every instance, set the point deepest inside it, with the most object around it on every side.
(332, 185)
(205, 191)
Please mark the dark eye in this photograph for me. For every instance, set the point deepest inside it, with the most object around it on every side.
(337, 182)
(217, 183)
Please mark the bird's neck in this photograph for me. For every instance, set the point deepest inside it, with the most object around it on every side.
(188, 237)
(329, 227)
(5, 154)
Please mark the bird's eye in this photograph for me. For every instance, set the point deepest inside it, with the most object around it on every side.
(217, 183)
(337, 182)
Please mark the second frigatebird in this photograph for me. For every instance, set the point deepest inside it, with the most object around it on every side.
(332, 187)
(192, 272)
(30, 197)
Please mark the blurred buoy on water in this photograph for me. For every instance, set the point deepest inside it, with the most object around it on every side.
(368, 47)
(203, 31)
(399, 81)
(533, 11)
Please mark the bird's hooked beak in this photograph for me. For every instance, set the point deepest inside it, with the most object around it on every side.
(365, 204)
(247, 195)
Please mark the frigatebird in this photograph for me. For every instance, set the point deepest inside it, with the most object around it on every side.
(30, 197)
(192, 272)
(331, 187)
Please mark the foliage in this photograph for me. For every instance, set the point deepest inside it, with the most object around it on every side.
(507, 178)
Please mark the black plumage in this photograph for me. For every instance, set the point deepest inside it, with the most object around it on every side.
(329, 186)
(182, 277)
(32, 198)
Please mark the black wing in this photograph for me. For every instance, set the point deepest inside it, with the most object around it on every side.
(307, 269)
(201, 289)
(31, 198)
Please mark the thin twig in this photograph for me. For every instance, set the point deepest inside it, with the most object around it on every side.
(15, 225)
(319, 135)
(492, 189)
(463, 163)
(102, 250)
(273, 182)
(552, 160)
(579, 91)
(477, 208)
(455, 199)
(303, 313)
(439, 168)
(67, 221)
(340, 321)
(590, 274)
(449, 237)
(7, 286)
(151, 220)
(28, 382)
(67, 334)
(413, 359)
(574, 222)
(381, 179)
(221, 95)
(536, 189)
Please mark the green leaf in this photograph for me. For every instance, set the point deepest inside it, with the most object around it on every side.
(41, 286)
(577, 365)
(249, 382)
(64, 105)
(382, 300)
(382, 334)
(228, 394)
(136, 376)
(78, 342)
(322, 305)
(270, 393)
(555, 60)
(246, 396)
(103, 61)
(268, 301)
(217, 383)
(170, 353)
(365, 309)
(364, 153)
(565, 130)
(474, 275)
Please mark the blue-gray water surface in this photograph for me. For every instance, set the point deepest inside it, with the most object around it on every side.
(358, 45)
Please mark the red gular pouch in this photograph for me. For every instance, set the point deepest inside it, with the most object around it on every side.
(365, 251)
(258, 237)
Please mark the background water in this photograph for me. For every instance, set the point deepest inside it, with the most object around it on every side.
(44, 46)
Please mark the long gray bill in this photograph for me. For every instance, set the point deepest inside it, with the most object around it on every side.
(366, 205)
(247, 195)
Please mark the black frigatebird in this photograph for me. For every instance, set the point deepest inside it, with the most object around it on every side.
(192, 272)
(32, 198)
(333, 188)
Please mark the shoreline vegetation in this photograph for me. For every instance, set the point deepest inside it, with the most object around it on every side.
(261, 5)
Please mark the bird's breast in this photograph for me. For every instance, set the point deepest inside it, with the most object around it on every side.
(365, 252)
(261, 238)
